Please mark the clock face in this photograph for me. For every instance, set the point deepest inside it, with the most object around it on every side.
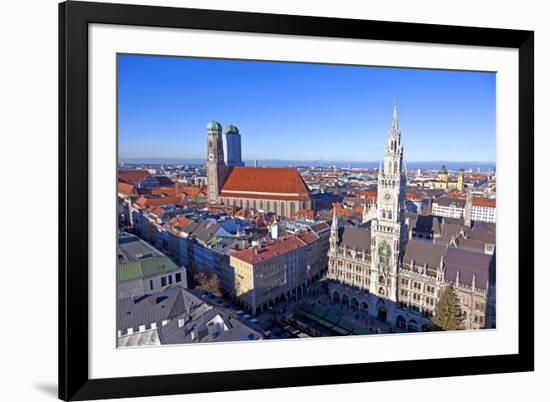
(387, 196)
(211, 157)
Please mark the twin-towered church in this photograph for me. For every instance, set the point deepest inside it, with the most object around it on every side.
(378, 267)
(278, 190)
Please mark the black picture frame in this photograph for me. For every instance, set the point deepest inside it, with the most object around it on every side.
(74, 18)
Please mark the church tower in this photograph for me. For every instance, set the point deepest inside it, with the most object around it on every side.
(216, 170)
(388, 228)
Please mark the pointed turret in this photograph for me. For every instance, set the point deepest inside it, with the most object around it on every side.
(334, 237)
(395, 121)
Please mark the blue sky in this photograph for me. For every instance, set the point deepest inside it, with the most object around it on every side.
(298, 111)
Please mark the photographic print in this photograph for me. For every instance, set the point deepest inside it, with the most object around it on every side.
(270, 200)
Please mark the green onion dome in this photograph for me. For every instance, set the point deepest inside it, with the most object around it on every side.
(231, 129)
(214, 126)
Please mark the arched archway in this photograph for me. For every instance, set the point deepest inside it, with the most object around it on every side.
(336, 297)
(382, 313)
(345, 299)
(400, 322)
(412, 326)
(354, 303)
(364, 306)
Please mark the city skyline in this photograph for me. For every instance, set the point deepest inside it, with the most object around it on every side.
(165, 103)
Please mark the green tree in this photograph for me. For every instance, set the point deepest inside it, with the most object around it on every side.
(448, 316)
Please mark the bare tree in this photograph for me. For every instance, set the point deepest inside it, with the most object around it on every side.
(210, 283)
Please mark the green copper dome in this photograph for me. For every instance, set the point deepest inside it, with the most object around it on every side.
(231, 129)
(443, 170)
(214, 126)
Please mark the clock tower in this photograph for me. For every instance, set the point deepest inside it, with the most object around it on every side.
(388, 228)
(216, 170)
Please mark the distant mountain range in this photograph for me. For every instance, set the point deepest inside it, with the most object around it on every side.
(429, 165)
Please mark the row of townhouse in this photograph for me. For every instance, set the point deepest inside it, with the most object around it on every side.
(212, 244)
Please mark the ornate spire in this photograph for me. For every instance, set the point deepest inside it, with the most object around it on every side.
(395, 121)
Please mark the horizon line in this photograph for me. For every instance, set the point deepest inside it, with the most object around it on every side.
(310, 160)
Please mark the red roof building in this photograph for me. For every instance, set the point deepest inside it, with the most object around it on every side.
(132, 176)
(484, 202)
(266, 183)
(278, 190)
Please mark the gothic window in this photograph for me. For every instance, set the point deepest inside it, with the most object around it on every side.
(292, 208)
(267, 206)
(389, 214)
(395, 167)
(261, 204)
(254, 204)
(247, 203)
(282, 209)
(383, 214)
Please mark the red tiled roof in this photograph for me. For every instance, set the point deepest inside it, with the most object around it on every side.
(132, 176)
(286, 182)
(484, 202)
(340, 210)
(126, 189)
(266, 196)
(308, 237)
(158, 211)
(168, 191)
(180, 221)
(145, 202)
(191, 191)
(271, 248)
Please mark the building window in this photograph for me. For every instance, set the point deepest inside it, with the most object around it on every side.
(178, 277)
(163, 281)
(150, 284)
(169, 279)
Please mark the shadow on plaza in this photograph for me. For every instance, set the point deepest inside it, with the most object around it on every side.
(346, 314)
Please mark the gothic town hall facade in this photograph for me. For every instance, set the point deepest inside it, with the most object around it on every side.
(395, 264)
